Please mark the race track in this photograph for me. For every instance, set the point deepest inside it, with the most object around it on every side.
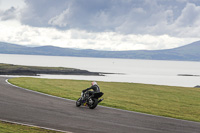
(20, 105)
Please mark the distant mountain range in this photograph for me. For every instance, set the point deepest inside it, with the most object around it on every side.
(190, 52)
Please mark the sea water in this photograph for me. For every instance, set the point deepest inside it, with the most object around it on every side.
(126, 70)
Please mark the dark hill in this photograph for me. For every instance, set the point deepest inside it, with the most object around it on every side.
(188, 52)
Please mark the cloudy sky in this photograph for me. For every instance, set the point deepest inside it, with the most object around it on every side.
(100, 24)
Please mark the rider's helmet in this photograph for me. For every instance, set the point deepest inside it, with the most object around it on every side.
(94, 83)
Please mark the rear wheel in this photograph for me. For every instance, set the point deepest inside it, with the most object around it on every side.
(92, 103)
(78, 102)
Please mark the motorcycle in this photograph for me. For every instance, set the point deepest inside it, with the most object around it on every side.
(89, 100)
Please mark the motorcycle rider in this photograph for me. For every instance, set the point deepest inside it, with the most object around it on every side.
(94, 87)
(90, 98)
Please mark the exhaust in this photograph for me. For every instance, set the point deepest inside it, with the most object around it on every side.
(100, 100)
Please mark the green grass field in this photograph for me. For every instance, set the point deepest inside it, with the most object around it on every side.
(176, 102)
(14, 128)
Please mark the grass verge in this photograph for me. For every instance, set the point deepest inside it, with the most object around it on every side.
(176, 102)
(6, 127)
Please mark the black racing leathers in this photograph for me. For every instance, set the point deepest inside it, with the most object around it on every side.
(95, 88)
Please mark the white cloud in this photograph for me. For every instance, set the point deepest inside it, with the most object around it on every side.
(61, 19)
(7, 4)
(188, 23)
(190, 16)
(14, 32)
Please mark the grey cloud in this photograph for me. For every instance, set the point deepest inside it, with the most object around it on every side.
(104, 15)
(123, 16)
(8, 14)
(38, 12)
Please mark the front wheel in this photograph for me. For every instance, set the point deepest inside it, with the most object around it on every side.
(78, 102)
(92, 103)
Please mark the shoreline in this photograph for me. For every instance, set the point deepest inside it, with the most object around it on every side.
(10, 69)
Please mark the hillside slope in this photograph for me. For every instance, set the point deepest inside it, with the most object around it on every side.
(188, 52)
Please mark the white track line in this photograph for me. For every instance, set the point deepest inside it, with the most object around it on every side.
(105, 106)
(38, 92)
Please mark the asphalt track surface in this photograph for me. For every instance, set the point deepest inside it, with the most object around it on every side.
(27, 107)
